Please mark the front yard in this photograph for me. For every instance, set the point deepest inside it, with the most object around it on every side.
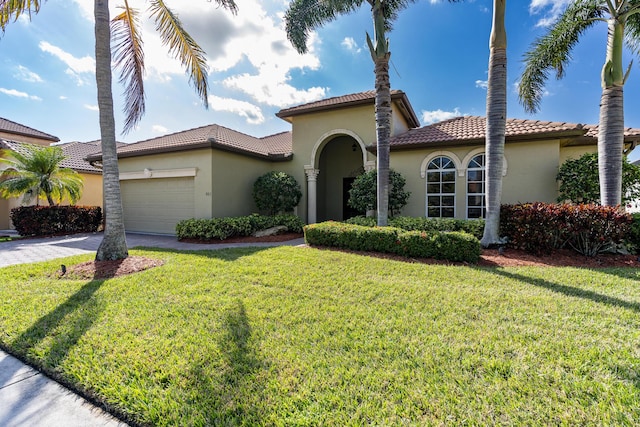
(300, 336)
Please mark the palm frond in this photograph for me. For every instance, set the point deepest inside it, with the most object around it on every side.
(553, 50)
(129, 57)
(304, 16)
(632, 29)
(182, 46)
(10, 10)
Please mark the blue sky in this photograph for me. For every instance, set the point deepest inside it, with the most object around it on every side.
(439, 58)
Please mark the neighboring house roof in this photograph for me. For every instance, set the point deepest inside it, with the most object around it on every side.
(471, 130)
(77, 152)
(74, 152)
(351, 100)
(273, 147)
(17, 129)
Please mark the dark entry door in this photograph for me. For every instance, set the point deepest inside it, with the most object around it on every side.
(347, 211)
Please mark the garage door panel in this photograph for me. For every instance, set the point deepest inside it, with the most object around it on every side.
(156, 205)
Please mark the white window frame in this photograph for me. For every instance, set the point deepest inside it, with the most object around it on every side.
(483, 183)
(454, 168)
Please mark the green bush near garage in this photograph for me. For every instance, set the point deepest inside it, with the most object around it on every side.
(224, 228)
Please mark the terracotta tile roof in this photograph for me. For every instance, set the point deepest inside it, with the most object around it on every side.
(471, 129)
(630, 134)
(345, 101)
(75, 153)
(18, 129)
(274, 147)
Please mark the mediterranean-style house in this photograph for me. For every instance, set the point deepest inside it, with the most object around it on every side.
(210, 171)
(15, 137)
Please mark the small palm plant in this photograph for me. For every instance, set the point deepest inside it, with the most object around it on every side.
(37, 173)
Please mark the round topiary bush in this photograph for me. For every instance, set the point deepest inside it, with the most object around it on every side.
(276, 192)
(363, 193)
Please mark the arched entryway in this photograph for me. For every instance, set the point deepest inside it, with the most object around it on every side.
(337, 159)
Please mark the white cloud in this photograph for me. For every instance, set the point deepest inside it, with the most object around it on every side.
(27, 75)
(350, 44)
(250, 49)
(551, 8)
(91, 107)
(482, 84)
(251, 112)
(76, 67)
(19, 94)
(429, 117)
(62, 97)
(159, 129)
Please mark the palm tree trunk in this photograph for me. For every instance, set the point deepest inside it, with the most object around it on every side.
(496, 124)
(114, 244)
(611, 129)
(611, 145)
(383, 135)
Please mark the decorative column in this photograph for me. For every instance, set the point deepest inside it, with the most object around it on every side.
(369, 165)
(312, 179)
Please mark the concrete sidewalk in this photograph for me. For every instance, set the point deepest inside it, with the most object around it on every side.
(31, 399)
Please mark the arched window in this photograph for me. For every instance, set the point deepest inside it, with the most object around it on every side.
(441, 188)
(476, 187)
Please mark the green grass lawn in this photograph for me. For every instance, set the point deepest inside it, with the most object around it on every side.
(298, 336)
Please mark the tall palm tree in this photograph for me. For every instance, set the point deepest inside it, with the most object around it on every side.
(303, 16)
(552, 52)
(37, 173)
(128, 51)
(496, 124)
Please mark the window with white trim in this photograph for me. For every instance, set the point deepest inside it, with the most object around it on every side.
(441, 188)
(476, 187)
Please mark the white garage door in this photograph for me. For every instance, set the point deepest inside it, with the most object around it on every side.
(156, 205)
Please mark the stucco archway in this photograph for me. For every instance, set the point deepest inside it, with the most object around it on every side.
(337, 157)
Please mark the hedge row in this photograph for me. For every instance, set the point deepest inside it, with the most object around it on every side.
(223, 228)
(452, 246)
(52, 220)
(541, 227)
(474, 227)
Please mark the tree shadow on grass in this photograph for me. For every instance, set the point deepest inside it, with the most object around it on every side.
(61, 328)
(53, 336)
(568, 290)
(232, 390)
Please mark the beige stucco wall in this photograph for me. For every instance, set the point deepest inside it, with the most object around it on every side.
(91, 191)
(531, 172)
(573, 152)
(233, 179)
(223, 182)
(23, 138)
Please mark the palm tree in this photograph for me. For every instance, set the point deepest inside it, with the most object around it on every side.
(128, 52)
(496, 124)
(552, 52)
(37, 173)
(303, 16)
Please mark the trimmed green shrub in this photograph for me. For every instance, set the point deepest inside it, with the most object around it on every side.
(276, 192)
(363, 192)
(580, 182)
(474, 227)
(452, 246)
(52, 220)
(224, 228)
(540, 227)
